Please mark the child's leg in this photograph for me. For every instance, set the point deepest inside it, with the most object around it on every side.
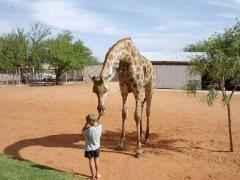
(96, 160)
(91, 164)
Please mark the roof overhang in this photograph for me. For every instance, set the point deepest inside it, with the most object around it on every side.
(170, 62)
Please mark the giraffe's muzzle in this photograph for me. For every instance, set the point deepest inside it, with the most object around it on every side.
(100, 109)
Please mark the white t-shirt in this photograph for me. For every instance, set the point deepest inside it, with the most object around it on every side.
(92, 137)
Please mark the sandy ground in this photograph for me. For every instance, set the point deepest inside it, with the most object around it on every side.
(189, 140)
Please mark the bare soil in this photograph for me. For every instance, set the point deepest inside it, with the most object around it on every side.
(189, 140)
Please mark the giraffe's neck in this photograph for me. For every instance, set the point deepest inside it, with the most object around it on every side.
(112, 60)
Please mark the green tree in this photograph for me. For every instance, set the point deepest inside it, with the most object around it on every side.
(64, 54)
(13, 48)
(200, 46)
(36, 50)
(221, 63)
(22, 48)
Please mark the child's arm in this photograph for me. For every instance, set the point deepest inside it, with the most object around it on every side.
(85, 126)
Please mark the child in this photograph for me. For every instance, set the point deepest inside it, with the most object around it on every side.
(92, 132)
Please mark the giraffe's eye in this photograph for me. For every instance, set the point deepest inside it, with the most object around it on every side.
(94, 90)
(105, 90)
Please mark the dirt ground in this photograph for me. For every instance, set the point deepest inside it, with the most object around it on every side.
(189, 140)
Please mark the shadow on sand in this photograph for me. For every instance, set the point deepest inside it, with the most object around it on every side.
(109, 141)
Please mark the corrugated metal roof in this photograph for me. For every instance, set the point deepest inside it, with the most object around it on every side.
(172, 56)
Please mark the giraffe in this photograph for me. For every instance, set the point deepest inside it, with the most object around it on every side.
(136, 75)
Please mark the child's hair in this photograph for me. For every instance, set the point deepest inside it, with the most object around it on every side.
(90, 117)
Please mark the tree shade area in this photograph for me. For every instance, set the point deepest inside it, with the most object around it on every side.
(36, 47)
(221, 65)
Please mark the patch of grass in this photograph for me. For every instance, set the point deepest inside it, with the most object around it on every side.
(14, 169)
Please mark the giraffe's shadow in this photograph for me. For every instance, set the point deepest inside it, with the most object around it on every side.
(109, 141)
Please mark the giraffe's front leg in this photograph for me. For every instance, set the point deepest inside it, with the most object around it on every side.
(137, 117)
(124, 118)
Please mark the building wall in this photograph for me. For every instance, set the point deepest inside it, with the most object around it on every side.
(169, 76)
(173, 76)
(94, 70)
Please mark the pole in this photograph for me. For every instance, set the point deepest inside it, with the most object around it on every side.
(66, 77)
(230, 127)
(33, 78)
(2, 77)
(19, 76)
(7, 77)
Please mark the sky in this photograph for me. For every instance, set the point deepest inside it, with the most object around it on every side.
(153, 25)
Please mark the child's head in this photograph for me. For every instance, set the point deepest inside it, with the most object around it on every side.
(91, 119)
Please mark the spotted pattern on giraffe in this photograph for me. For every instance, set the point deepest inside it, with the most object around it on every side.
(135, 75)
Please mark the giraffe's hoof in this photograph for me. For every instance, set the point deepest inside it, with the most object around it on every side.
(120, 146)
(146, 141)
(139, 154)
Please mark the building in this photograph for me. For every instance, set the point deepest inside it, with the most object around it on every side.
(172, 68)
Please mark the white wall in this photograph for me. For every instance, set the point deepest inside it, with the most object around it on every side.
(173, 76)
(93, 70)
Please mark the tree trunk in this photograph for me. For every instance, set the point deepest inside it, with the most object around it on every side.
(58, 78)
(230, 127)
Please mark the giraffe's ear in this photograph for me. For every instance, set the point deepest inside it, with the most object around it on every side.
(101, 78)
(92, 77)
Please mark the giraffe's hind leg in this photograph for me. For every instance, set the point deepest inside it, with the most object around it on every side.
(141, 129)
(148, 94)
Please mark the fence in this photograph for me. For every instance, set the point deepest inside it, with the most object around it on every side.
(37, 76)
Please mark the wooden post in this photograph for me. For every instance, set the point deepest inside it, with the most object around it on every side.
(7, 77)
(19, 76)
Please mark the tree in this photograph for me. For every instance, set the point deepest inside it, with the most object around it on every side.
(221, 63)
(200, 46)
(62, 53)
(36, 50)
(13, 49)
(22, 48)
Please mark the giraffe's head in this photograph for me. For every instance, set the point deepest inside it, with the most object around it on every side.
(100, 88)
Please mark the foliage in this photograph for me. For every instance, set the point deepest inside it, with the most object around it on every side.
(62, 53)
(13, 48)
(20, 169)
(211, 96)
(36, 49)
(222, 62)
(200, 46)
(21, 48)
(191, 87)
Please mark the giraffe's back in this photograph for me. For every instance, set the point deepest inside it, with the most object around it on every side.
(134, 73)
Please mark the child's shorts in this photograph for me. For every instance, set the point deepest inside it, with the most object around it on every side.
(91, 154)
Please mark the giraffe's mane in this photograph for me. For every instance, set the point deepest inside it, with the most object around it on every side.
(118, 42)
(111, 48)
